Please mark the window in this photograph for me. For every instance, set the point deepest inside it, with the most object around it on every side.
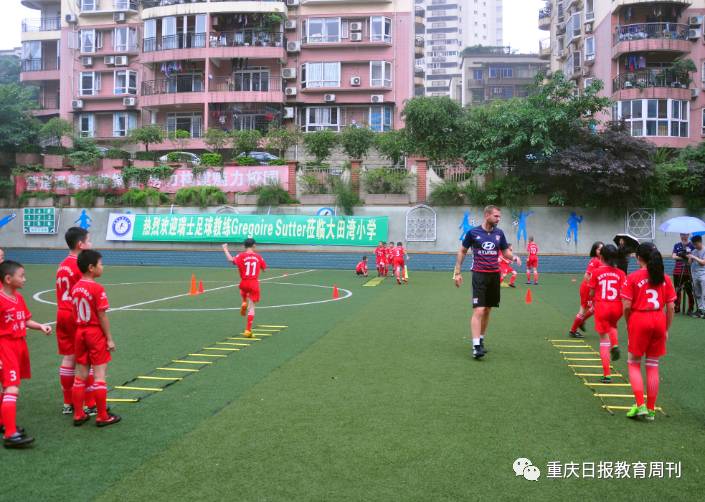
(574, 26)
(88, 5)
(190, 122)
(381, 118)
(252, 80)
(185, 82)
(319, 118)
(589, 48)
(90, 40)
(125, 82)
(497, 72)
(320, 75)
(477, 74)
(123, 123)
(124, 39)
(502, 92)
(86, 125)
(323, 30)
(589, 10)
(150, 35)
(89, 83)
(702, 130)
(381, 29)
(32, 50)
(380, 74)
(654, 117)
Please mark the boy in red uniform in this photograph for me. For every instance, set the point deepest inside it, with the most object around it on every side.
(249, 264)
(15, 318)
(586, 311)
(390, 258)
(380, 259)
(399, 254)
(67, 275)
(505, 268)
(532, 262)
(94, 341)
(645, 294)
(605, 287)
(361, 267)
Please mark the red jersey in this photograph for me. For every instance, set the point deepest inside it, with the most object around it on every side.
(89, 299)
(249, 265)
(644, 296)
(361, 267)
(390, 254)
(398, 252)
(14, 315)
(67, 275)
(380, 254)
(532, 249)
(607, 282)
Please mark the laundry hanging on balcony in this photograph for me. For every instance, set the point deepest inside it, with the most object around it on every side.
(171, 67)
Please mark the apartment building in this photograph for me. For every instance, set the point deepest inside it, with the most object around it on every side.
(112, 65)
(451, 26)
(637, 48)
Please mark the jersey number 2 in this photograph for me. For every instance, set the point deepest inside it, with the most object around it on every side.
(64, 281)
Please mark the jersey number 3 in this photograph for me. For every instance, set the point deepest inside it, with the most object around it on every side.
(653, 298)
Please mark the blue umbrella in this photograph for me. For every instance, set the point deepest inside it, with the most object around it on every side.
(683, 225)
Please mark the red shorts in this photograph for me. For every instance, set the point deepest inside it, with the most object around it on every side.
(91, 346)
(381, 264)
(647, 333)
(607, 315)
(249, 289)
(398, 262)
(505, 269)
(14, 356)
(65, 332)
(584, 294)
(532, 262)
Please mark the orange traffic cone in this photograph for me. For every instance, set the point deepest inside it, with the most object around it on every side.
(336, 295)
(529, 299)
(200, 287)
(193, 291)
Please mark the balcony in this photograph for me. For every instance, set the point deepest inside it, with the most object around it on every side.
(39, 69)
(99, 7)
(42, 24)
(419, 47)
(161, 8)
(247, 43)
(47, 105)
(651, 83)
(335, 42)
(643, 37)
(419, 16)
(618, 4)
(245, 89)
(545, 48)
(545, 17)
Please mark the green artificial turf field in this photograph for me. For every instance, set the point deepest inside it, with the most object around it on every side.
(372, 397)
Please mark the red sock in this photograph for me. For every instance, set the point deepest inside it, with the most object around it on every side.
(613, 337)
(9, 413)
(250, 320)
(605, 355)
(90, 395)
(66, 375)
(536, 277)
(78, 395)
(637, 381)
(587, 315)
(528, 276)
(578, 321)
(1, 394)
(652, 381)
(100, 390)
(514, 278)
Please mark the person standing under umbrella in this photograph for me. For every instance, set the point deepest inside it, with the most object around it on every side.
(681, 272)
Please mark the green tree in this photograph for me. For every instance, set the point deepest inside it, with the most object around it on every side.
(55, 129)
(180, 138)
(320, 144)
(280, 139)
(246, 141)
(356, 141)
(9, 70)
(434, 127)
(17, 125)
(392, 145)
(216, 139)
(147, 135)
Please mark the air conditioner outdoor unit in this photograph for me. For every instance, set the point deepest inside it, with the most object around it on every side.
(588, 27)
(292, 3)
(586, 72)
(293, 46)
(87, 61)
(693, 34)
(71, 18)
(695, 20)
(77, 104)
(288, 112)
(290, 91)
(355, 26)
(109, 60)
(119, 17)
(355, 81)
(329, 98)
(694, 93)
(289, 73)
(120, 60)
(377, 98)
(129, 101)
(356, 37)
(290, 24)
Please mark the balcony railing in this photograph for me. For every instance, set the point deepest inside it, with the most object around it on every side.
(188, 40)
(247, 37)
(174, 85)
(38, 65)
(146, 4)
(106, 5)
(335, 39)
(48, 103)
(245, 83)
(644, 31)
(43, 24)
(652, 77)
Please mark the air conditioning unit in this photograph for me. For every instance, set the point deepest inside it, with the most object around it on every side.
(87, 60)
(355, 81)
(119, 17)
(329, 98)
(589, 59)
(586, 72)
(77, 104)
(355, 26)
(356, 37)
(129, 101)
(292, 3)
(289, 73)
(290, 24)
(71, 18)
(377, 98)
(288, 112)
(109, 60)
(695, 34)
(293, 47)
(694, 93)
(290, 91)
(588, 27)
(695, 20)
(121, 61)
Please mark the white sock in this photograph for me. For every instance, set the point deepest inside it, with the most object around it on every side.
(475, 341)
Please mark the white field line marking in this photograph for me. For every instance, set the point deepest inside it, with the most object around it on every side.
(37, 296)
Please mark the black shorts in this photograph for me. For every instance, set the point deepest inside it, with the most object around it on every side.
(485, 289)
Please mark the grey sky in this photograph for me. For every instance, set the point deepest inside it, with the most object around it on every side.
(520, 23)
